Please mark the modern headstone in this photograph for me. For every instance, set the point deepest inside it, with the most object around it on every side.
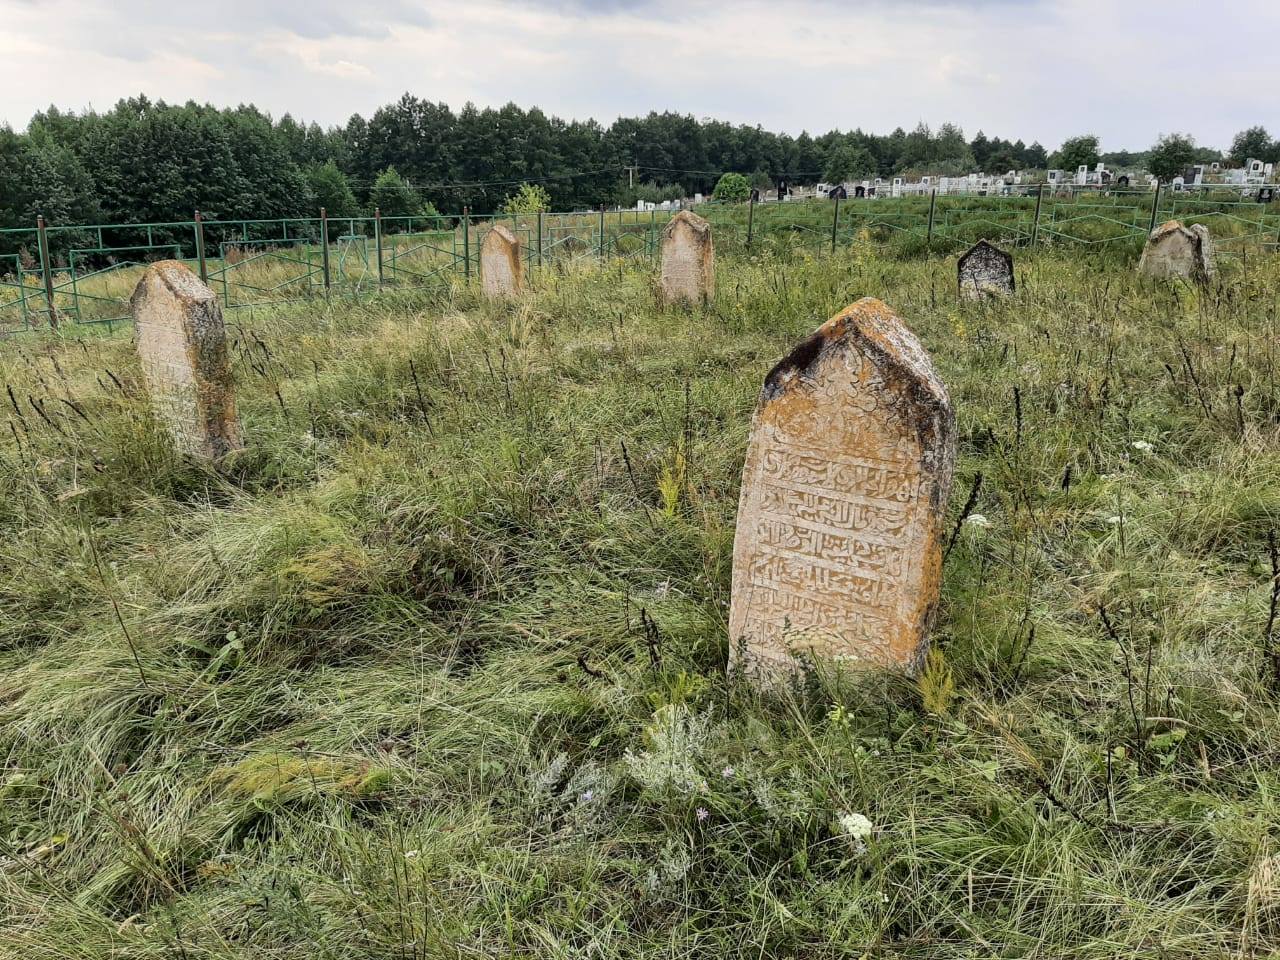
(182, 343)
(838, 547)
(501, 267)
(688, 261)
(983, 271)
(1174, 250)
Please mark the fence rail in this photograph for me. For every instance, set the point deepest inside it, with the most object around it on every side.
(85, 273)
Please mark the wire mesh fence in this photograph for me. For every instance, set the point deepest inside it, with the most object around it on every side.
(54, 274)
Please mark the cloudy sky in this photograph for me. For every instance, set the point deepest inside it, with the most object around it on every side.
(1127, 70)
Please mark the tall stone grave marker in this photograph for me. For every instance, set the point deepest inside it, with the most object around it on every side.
(984, 271)
(183, 346)
(838, 548)
(1174, 250)
(688, 261)
(501, 267)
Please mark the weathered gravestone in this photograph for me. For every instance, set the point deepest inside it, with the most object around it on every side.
(984, 271)
(183, 346)
(838, 548)
(1174, 250)
(501, 268)
(688, 260)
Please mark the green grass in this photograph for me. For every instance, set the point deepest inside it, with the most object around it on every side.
(436, 666)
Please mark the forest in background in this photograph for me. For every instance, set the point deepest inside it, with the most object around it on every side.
(147, 161)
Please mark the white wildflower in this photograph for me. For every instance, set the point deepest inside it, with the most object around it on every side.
(855, 825)
(1113, 521)
(977, 520)
(1143, 446)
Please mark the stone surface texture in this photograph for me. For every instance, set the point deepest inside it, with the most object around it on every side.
(501, 266)
(838, 547)
(688, 261)
(1174, 250)
(183, 347)
(984, 271)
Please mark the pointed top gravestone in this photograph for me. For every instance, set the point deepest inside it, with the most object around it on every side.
(1174, 250)
(688, 261)
(838, 547)
(183, 347)
(984, 270)
(501, 266)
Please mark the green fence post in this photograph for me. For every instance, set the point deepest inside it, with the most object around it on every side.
(835, 222)
(751, 216)
(601, 244)
(539, 238)
(43, 241)
(1035, 224)
(933, 202)
(466, 244)
(1155, 209)
(324, 246)
(377, 240)
(204, 270)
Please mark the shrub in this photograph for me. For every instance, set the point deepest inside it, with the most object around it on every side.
(732, 188)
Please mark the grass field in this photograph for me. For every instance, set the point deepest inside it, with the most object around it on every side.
(435, 667)
(255, 263)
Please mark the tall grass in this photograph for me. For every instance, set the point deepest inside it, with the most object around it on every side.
(435, 667)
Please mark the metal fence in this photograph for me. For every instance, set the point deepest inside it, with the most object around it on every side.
(85, 274)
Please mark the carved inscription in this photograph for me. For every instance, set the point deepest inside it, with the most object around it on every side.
(688, 261)
(837, 543)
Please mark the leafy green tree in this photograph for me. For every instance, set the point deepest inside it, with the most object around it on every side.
(1076, 152)
(1035, 157)
(1171, 155)
(530, 198)
(982, 149)
(732, 188)
(1253, 144)
(331, 190)
(848, 162)
(393, 195)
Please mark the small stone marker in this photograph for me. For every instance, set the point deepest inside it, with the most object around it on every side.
(688, 261)
(838, 547)
(1174, 250)
(984, 271)
(501, 267)
(183, 346)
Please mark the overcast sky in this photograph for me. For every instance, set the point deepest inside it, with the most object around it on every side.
(1127, 70)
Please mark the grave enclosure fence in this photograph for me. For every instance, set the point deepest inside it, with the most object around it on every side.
(57, 274)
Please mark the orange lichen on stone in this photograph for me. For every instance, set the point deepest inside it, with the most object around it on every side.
(182, 344)
(838, 547)
(688, 261)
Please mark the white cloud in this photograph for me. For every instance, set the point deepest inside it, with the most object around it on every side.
(1035, 69)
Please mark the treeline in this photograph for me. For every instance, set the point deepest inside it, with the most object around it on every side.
(146, 161)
